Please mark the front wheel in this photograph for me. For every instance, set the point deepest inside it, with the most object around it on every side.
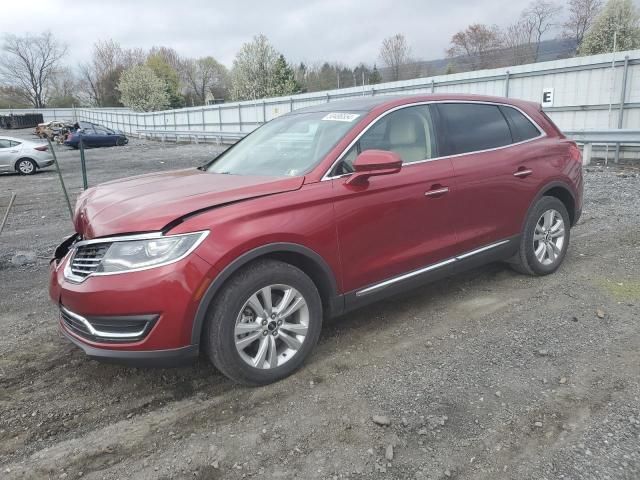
(264, 323)
(545, 238)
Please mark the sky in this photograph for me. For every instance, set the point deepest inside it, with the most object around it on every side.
(346, 31)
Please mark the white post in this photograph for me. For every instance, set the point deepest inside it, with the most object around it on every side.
(586, 154)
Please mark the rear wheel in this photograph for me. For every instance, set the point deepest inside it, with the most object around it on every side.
(545, 239)
(264, 323)
(26, 166)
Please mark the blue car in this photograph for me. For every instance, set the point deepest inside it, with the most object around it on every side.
(95, 136)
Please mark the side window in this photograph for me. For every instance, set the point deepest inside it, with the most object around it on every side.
(470, 127)
(4, 143)
(13, 143)
(521, 127)
(408, 132)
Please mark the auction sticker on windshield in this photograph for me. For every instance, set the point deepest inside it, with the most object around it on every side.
(341, 117)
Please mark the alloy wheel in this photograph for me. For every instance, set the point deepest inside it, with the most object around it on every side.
(26, 167)
(549, 237)
(271, 326)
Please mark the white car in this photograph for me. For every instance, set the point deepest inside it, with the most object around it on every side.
(23, 156)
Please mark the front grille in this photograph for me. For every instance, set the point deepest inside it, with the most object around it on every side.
(87, 258)
(114, 329)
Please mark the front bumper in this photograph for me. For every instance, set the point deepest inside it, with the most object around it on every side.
(167, 297)
(148, 358)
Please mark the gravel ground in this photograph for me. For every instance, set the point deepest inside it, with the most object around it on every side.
(486, 375)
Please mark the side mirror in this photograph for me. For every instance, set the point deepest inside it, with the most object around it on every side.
(371, 163)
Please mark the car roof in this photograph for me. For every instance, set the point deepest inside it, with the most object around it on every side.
(369, 103)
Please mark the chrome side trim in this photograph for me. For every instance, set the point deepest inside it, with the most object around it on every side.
(355, 140)
(481, 249)
(68, 274)
(405, 276)
(100, 333)
(381, 285)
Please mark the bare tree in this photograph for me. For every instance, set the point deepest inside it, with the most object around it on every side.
(582, 14)
(518, 40)
(395, 53)
(477, 43)
(542, 14)
(100, 76)
(29, 63)
(205, 76)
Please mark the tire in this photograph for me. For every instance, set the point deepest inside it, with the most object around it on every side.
(26, 166)
(120, 142)
(236, 304)
(544, 241)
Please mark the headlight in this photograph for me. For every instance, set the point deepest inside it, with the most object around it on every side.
(138, 254)
(108, 256)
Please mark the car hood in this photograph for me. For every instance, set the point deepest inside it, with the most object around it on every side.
(150, 202)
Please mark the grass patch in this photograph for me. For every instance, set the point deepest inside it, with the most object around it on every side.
(624, 290)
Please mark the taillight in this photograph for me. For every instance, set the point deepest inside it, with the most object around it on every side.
(41, 148)
(574, 153)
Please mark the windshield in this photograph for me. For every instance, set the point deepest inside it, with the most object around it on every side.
(287, 146)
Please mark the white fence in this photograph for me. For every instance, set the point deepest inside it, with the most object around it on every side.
(600, 91)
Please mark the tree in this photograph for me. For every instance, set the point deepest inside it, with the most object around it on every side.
(518, 40)
(582, 14)
(619, 18)
(284, 79)
(100, 76)
(63, 90)
(169, 76)
(375, 77)
(394, 53)
(205, 76)
(142, 90)
(29, 63)
(12, 97)
(476, 43)
(542, 15)
(253, 69)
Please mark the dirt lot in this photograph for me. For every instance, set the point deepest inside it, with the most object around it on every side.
(488, 375)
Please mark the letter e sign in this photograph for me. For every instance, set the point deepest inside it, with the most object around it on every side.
(547, 97)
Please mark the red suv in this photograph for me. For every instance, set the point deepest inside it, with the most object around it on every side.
(314, 214)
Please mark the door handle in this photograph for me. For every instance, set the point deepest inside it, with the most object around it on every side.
(523, 172)
(436, 191)
(13, 151)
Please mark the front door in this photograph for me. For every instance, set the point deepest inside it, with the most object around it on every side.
(396, 223)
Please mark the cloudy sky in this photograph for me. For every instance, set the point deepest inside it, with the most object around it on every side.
(348, 31)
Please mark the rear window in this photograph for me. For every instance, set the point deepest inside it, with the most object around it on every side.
(471, 127)
(521, 127)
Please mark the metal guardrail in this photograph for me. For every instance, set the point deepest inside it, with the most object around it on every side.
(612, 136)
(193, 135)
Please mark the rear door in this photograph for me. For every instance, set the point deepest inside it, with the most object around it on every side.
(493, 163)
(396, 223)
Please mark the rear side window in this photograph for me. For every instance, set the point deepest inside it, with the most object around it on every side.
(471, 127)
(5, 143)
(521, 127)
(13, 143)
